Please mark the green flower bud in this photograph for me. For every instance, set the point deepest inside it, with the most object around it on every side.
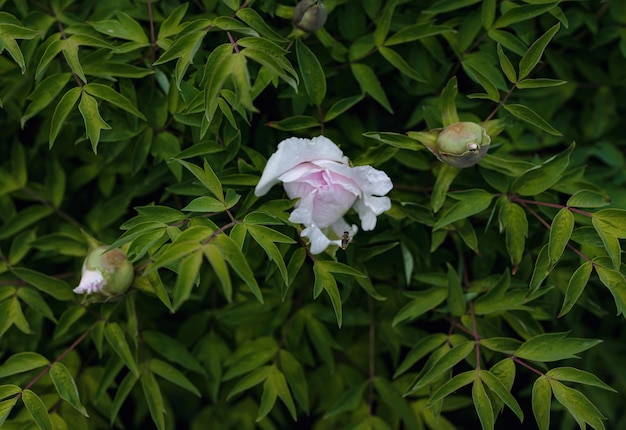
(107, 273)
(462, 144)
(310, 15)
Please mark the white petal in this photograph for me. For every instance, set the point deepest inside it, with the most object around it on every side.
(372, 181)
(92, 281)
(319, 241)
(369, 208)
(294, 151)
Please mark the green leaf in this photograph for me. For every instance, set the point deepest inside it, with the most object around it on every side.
(541, 399)
(397, 61)
(115, 337)
(108, 94)
(571, 374)
(456, 299)
(583, 411)
(610, 241)
(188, 270)
(616, 284)
(122, 392)
(422, 302)
(522, 13)
(54, 287)
(62, 110)
(482, 404)
(43, 94)
(535, 51)
(11, 31)
(449, 113)
(22, 362)
(416, 32)
(553, 347)
(297, 122)
(205, 204)
(279, 65)
(124, 27)
(560, 233)
(237, 261)
(252, 379)
(384, 22)
(256, 22)
(612, 221)
(172, 349)
(500, 390)
(540, 178)
(37, 409)
(506, 65)
(539, 83)
(296, 378)
(490, 87)
(396, 140)
(446, 362)
(526, 114)
(206, 176)
(276, 383)
(588, 199)
(66, 386)
(170, 373)
(470, 202)
(576, 286)
(341, 106)
(350, 400)
(94, 123)
(513, 221)
(154, 399)
(393, 398)
(218, 263)
(425, 346)
(8, 390)
(24, 219)
(324, 281)
(369, 83)
(312, 73)
(266, 237)
(459, 381)
(6, 406)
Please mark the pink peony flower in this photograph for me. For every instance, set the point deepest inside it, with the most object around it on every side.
(316, 172)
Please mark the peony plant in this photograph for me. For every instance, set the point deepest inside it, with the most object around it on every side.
(318, 174)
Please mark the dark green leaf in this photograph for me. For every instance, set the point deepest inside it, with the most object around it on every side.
(576, 286)
(166, 371)
(616, 284)
(154, 399)
(540, 178)
(66, 387)
(115, 337)
(542, 397)
(298, 122)
(22, 362)
(56, 288)
(553, 347)
(522, 13)
(37, 409)
(506, 66)
(560, 233)
(526, 114)
(535, 51)
(369, 83)
(312, 73)
(415, 32)
(471, 202)
(447, 361)
(482, 404)
(422, 302)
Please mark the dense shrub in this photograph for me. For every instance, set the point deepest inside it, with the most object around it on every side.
(492, 292)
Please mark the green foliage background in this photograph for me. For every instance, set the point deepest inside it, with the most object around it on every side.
(485, 295)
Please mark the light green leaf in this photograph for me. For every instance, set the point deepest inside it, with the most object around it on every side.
(500, 390)
(215, 258)
(297, 122)
(522, 13)
(324, 281)
(256, 22)
(612, 221)
(401, 64)
(490, 87)
(588, 199)
(526, 114)
(470, 202)
(396, 140)
(553, 347)
(535, 51)
(369, 83)
(488, 13)
(446, 362)
(115, 337)
(540, 178)
(571, 374)
(237, 261)
(384, 22)
(206, 176)
(506, 66)
(419, 351)
(205, 204)
(610, 241)
(616, 284)
(43, 94)
(94, 123)
(108, 94)
(252, 379)
(312, 73)
(482, 404)
(560, 233)
(154, 399)
(459, 381)
(56, 288)
(539, 83)
(449, 113)
(576, 286)
(422, 302)
(37, 409)
(541, 399)
(61, 112)
(22, 362)
(456, 299)
(6, 406)
(169, 372)
(66, 386)
(296, 378)
(577, 404)
(415, 32)
(188, 270)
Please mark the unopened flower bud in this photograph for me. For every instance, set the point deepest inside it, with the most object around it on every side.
(462, 144)
(107, 273)
(310, 15)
